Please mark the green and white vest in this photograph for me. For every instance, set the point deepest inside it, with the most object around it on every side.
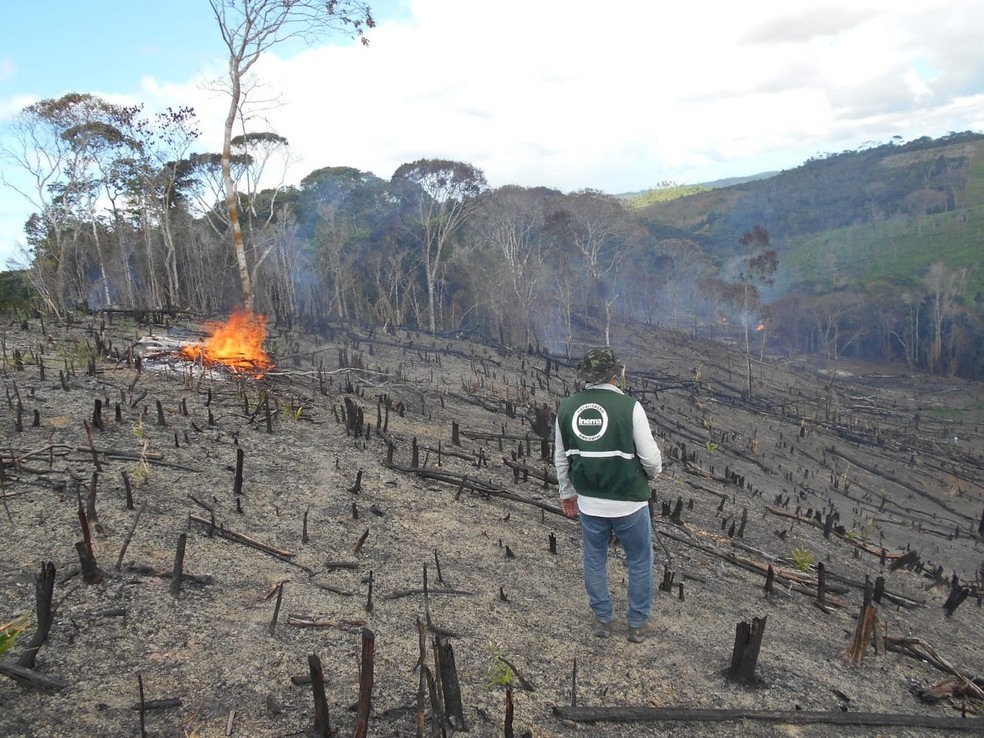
(596, 428)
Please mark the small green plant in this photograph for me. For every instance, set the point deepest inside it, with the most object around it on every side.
(77, 352)
(709, 444)
(500, 673)
(10, 631)
(802, 559)
(292, 412)
(883, 495)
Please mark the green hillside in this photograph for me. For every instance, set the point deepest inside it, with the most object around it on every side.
(880, 252)
(882, 214)
(898, 251)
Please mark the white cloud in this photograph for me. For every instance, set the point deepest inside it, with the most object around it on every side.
(621, 95)
(617, 97)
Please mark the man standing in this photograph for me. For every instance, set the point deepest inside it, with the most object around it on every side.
(605, 456)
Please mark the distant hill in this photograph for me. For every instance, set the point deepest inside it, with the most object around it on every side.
(673, 190)
(878, 214)
(732, 181)
(666, 191)
(880, 252)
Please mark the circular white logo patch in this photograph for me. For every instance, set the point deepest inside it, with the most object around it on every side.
(590, 421)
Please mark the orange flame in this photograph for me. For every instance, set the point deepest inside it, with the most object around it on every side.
(761, 327)
(237, 344)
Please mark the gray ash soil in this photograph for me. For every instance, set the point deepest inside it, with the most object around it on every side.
(899, 456)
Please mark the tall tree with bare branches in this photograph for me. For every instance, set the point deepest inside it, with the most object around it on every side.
(249, 28)
(756, 268)
(440, 196)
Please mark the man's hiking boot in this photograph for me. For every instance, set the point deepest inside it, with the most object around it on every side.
(638, 635)
(601, 630)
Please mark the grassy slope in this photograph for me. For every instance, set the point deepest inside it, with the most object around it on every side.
(897, 249)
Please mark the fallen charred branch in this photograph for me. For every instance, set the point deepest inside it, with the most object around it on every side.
(309, 621)
(902, 483)
(130, 455)
(893, 597)
(163, 704)
(486, 436)
(546, 474)
(796, 580)
(230, 535)
(860, 545)
(32, 678)
(446, 350)
(410, 592)
(54, 449)
(919, 649)
(474, 485)
(492, 407)
(50, 452)
(445, 451)
(952, 689)
(787, 717)
(149, 571)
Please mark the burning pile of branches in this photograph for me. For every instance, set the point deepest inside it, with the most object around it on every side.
(237, 344)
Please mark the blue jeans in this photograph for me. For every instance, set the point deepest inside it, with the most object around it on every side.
(635, 534)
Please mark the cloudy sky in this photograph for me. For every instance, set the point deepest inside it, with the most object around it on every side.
(618, 95)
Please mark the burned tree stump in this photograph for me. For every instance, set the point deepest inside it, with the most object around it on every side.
(879, 590)
(276, 608)
(178, 570)
(508, 720)
(357, 487)
(128, 489)
(867, 622)
(957, 595)
(44, 589)
(237, 485)
(354, 418)
(677, 515)
(748, 642)
(91, 573)
(667, 584)
(322, 728)
(444, 657)
(366, 665)
(821, 601)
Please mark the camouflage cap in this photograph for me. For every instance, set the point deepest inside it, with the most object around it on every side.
(598, 365)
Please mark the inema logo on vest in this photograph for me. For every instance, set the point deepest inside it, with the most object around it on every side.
(589, 422)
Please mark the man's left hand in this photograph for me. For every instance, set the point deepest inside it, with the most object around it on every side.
(569, 505)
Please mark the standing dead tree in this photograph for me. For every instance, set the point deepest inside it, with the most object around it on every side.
(249, 29)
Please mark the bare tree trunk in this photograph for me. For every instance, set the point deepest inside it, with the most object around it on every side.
(107, 301)
(231, 197)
